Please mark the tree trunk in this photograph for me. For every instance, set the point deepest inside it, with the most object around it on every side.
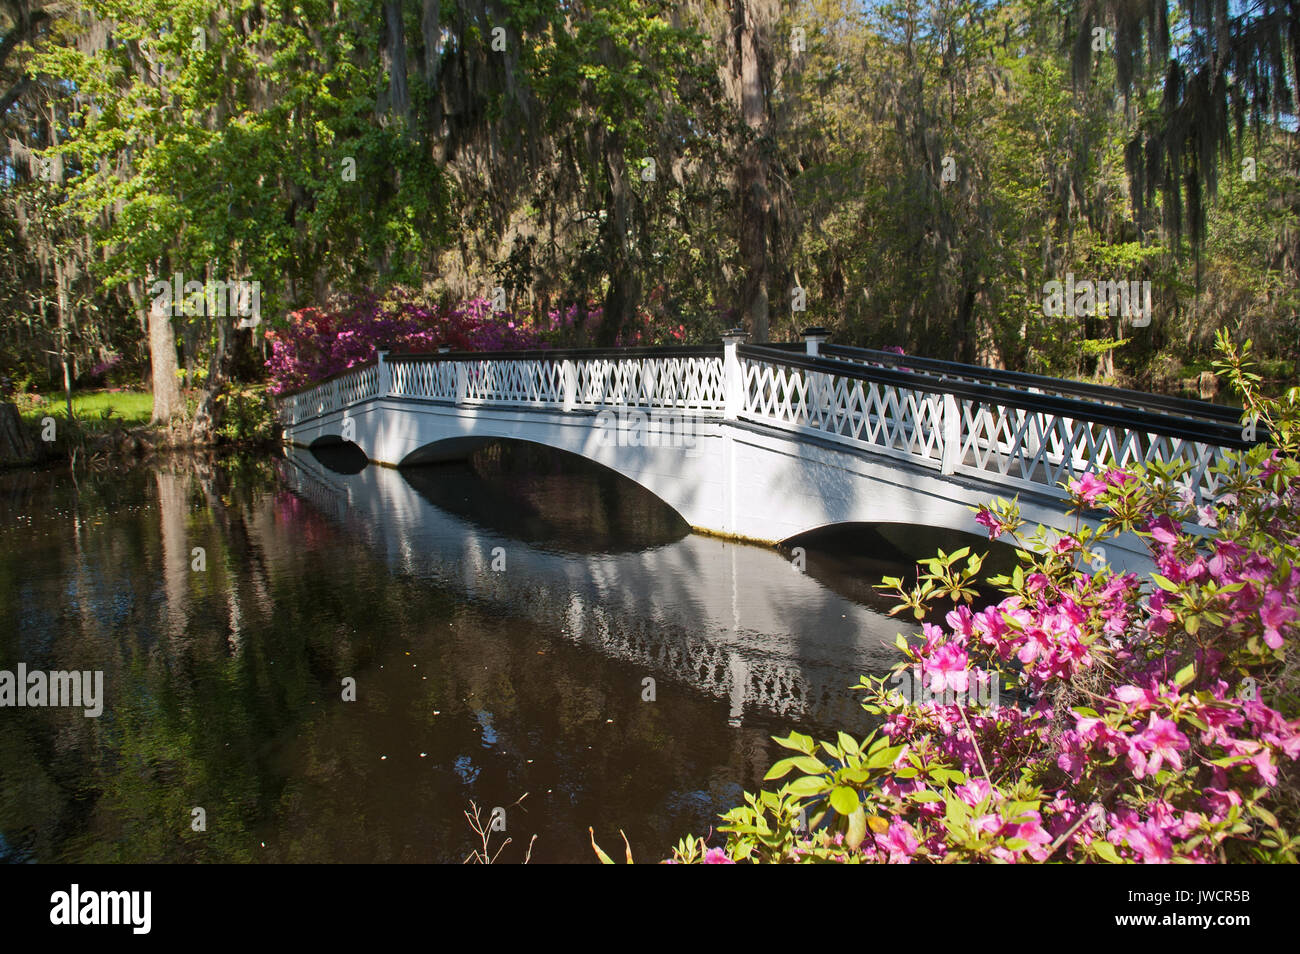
(16, 445)
(63, 333)
(624, 290)
(964, 335)
(399, 94)
(431, 30)
(754, 199)
(207, 418)
(162, 357)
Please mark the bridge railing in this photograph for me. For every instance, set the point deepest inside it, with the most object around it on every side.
(685, 380)
(333, 394)
(998, 434)
(953, 418)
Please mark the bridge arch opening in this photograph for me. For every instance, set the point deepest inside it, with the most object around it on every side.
(542, 495)
(334, 453)
(851, 558)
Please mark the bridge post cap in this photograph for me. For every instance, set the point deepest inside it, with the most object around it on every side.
(735, 334)
(816, 332)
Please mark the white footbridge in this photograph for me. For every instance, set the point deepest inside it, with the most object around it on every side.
(765, 443)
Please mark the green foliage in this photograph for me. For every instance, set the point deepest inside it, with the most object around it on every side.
(927, 168)
(249, 414)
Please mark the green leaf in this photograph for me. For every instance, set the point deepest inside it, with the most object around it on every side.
(798, 742)
(1185, 675)
(948, 776)
(884, 757)
(780, 770)
(808, 785)
(1015, 810)
(956, 811)
(1269, 818)
(844, 800)
(1107, 851)
(857, 832)
(1165, 584)
(604, 858)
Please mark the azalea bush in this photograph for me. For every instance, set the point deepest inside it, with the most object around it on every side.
(319, 342)
(1138, 719)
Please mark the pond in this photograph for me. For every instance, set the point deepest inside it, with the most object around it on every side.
(306, 659)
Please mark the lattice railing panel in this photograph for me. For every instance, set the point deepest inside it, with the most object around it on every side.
(432, 380)
(881, 417)
(506, 381)
(687, 383)
(1043, 449)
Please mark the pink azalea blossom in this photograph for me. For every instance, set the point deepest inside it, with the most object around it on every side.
(899, 841)
(1160, 743)
(1275, 613)
(1088, 488)
(946, 669)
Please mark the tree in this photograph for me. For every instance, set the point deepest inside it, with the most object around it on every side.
(1217, 68)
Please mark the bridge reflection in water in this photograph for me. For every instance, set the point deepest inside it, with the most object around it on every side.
(731, 620)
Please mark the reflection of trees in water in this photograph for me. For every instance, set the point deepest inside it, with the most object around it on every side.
(223, 691)
(188, 715)
(605, 750)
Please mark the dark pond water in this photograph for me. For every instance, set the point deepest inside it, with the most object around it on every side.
(500, 619)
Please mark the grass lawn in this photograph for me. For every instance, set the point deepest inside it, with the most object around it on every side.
(90, 407)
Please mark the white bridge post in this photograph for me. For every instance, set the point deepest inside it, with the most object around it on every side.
(819, 385)
(813, 339)
(383, 374)
(951, 425)
(462, 382)
(569, 376)
(733, 383)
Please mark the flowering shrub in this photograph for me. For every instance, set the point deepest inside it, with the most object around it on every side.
(318, 343)
(1150, 720)
(98, 375)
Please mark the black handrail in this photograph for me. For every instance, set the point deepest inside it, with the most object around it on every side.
(555, 354)
(1101, 392)
(1206, 432)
